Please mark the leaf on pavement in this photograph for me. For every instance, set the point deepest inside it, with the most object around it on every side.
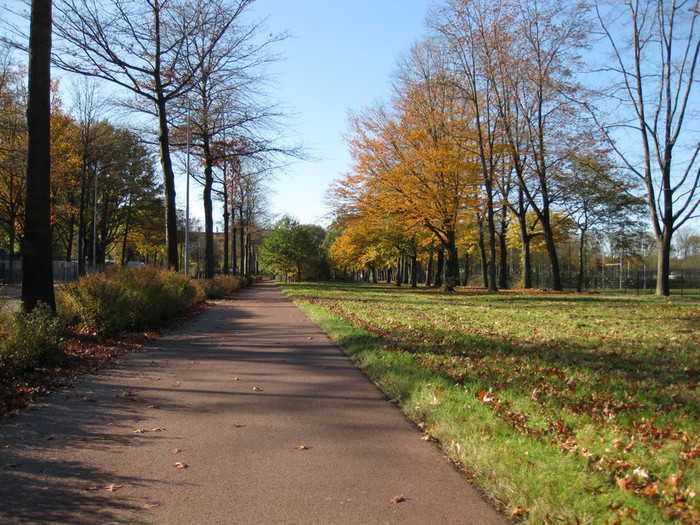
(112, 487)
(177, 450)
(149, 506)
(258, 388)
(302, 447)
(397, 499)
(181, 465)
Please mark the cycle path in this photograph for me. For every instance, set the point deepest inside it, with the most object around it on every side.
(247, 414)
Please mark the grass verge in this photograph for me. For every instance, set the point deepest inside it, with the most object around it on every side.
(563, 408)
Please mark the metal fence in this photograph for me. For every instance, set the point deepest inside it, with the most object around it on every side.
(11, 270)
(613, 279)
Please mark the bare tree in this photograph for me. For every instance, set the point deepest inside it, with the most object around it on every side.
(147, 48)
(37, 270)
(224, 102)
(655, 64)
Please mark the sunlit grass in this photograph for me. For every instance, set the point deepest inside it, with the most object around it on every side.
(578, 407)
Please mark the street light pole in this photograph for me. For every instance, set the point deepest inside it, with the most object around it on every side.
(187, 205)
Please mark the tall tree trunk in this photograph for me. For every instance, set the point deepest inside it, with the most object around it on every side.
(374, 275)
(225, 266)
(71, 238)
(234, 255)
(581, 261)
(663, 263)
(467, 263)
(81, 223)
(125, 238)
(482, 253)
(440, 267)
(169, 183)
(451, 263)
(209, 263)
(503, 277)
(491, 228)
(552, 252)
(399, 271)
(429, 269)
(37, 267)
(414, 271)
(241, 244)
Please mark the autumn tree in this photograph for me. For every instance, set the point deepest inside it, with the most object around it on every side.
(13, 147)
(652, 84)
(409, 162)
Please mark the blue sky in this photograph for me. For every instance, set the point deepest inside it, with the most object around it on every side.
(340, 57)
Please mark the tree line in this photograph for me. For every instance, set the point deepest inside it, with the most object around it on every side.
(492, 130)
(78, 186)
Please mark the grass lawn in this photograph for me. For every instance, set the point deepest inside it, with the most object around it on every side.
(564, 408)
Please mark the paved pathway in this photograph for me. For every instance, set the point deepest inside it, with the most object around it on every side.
(232, 395)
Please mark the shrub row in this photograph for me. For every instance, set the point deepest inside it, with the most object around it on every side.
(29, 339)
(124, 299)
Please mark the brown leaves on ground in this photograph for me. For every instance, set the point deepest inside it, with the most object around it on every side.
(397, 499)
(83, 353)
(301, 447)
(180, 465)
(257, 389)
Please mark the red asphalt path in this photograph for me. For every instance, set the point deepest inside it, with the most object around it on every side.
(231, 395)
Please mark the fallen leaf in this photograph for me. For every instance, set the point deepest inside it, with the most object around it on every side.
(238, 426)
(149, 506)
(258, 388)
(650, 491)
(236, 378)
(625, 483)
(140, 431)
(113, 487)
(181, 465)
(158, 429)
(519, 512)
(302, 447)
(426, 437)
(397, 499)
(177, 450)
(90, 487)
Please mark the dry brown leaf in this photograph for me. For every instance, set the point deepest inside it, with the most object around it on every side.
(158, 429)
(181, 465)
(519, 512)
(236, 378)
(113, 487)
(625, 483)
(177, 450)
(140, 431)
(650, 491)
(257, 388)
(302, 447)
(149, 506)
(397, 499)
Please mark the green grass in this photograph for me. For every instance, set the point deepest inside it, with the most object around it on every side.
(565, 408)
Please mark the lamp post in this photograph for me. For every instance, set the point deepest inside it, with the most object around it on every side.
(187, 205)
